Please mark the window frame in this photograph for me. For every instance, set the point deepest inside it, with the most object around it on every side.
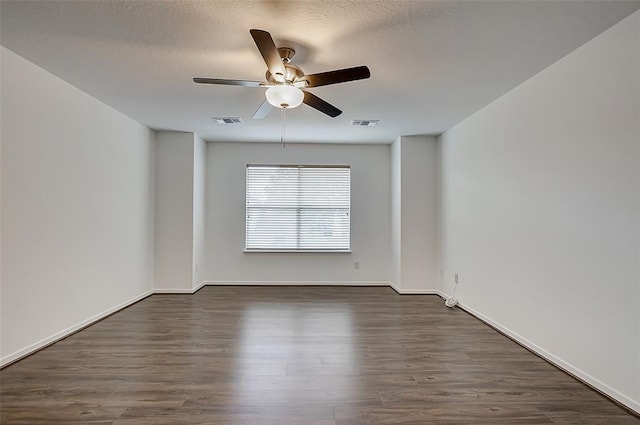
(298, 208)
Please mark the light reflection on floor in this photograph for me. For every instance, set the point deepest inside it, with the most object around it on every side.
(283, 345)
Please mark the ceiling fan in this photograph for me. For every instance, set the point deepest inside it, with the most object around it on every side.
(285, 81)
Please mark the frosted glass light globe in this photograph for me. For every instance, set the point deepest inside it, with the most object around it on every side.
(284, 96)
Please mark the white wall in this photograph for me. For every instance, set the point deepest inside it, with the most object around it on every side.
(199, 199)
(179, 211)
(414, 211)
(396, 213)
(419, 213)
(77, 207)
(225, 223)
(541, 211)
(174, 247)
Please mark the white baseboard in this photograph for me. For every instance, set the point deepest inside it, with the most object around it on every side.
(567, 367)
(293, 283)
(590, 380)
(68, 331)
(407, 291)
(72, 329)
(180, 290)
(173, 291)
(199, 286)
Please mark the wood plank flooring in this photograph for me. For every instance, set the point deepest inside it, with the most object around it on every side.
(294, 355)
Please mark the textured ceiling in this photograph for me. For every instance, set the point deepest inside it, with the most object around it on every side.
(433, 63)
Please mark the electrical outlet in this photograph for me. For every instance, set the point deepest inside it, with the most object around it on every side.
(356, 265)
(455, 277)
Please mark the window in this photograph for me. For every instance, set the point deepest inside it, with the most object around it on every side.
(298, 208)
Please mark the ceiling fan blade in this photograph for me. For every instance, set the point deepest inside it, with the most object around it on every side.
(319, 104)
(245, 83)
(269, 53)
(338, 76)
(263, 110)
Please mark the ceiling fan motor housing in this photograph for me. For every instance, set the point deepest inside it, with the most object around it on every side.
(293, 74)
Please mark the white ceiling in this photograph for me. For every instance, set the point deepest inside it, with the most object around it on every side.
(433, 63)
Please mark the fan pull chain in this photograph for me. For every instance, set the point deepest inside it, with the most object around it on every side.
(283, 125)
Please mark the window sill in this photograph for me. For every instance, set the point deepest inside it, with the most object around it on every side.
(300, 251)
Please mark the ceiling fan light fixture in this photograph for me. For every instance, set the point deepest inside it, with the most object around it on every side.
(285, 80)
(284, 96)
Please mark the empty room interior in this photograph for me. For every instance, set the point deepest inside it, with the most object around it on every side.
(320, 212)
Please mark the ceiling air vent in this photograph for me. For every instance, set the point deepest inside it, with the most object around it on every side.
(227, 120)
(365, 123)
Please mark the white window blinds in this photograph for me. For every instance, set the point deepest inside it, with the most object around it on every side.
(298, 208)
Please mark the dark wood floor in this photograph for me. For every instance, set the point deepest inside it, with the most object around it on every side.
(294, 355)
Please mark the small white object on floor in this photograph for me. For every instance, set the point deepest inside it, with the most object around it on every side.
(452, 301)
